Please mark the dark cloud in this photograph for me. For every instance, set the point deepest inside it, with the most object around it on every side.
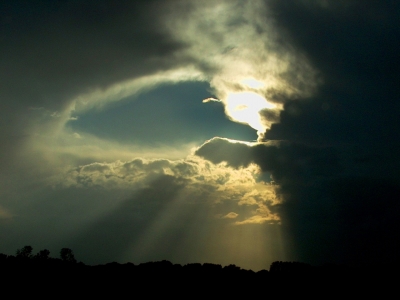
(336, 170)
(56, 50)
(220, 150)
(354, 48)
(287, 161)
(336, 206)
(270, 115)
(333, 205)
(53, 51)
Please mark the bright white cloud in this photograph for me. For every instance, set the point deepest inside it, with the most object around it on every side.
(234, 41)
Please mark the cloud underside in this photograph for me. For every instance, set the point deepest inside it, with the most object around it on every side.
(323, 192)
(196, 179)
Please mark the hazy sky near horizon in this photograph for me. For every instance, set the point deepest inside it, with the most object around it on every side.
(231, 132)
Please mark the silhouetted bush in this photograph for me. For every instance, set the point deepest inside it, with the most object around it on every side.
(25, 252)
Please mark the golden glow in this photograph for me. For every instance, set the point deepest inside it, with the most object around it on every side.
(244, 107)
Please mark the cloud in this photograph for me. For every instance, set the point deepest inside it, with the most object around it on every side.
(68, 56)
(78, 64)
(254, 63)
(197, 174)
(307, 180)
(159, 198)
(211, 100)
(340, 137)
(65, 183)
(198, 177)
(352, 66)
(128, 209)
(257, 220)
(317, 79)
(218, 150)
(230, 215)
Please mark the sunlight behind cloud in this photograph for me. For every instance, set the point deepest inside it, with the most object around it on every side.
(244, 107)
(243, 59)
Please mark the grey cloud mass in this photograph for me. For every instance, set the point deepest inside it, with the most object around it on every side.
(336, 163)
(52, 52)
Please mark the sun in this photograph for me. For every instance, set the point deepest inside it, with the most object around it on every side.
(244, 107)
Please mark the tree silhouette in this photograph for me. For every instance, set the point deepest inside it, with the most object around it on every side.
(43, 254)
(67, 255)
(25, 252)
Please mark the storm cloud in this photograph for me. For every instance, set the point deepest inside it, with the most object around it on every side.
(222, 131)
(334, 153)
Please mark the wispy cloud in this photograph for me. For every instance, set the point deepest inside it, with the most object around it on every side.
(211, 100)
(230, 215)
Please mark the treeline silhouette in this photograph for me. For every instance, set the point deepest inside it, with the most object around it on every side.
(282, 278)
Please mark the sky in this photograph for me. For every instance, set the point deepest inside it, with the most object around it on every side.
(228, 132)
